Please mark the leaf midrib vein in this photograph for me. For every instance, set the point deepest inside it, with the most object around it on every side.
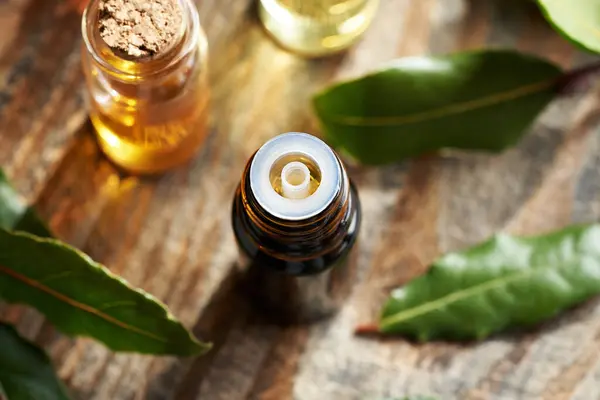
(454, 297)
(79, 305)
(445, 111)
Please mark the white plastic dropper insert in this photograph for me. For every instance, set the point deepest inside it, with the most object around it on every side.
(295, 180)
(297, 202)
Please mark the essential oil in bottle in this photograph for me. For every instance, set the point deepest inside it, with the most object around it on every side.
(296, 218)
(147, 83)
(316, 27)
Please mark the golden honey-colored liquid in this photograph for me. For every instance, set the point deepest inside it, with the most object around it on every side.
(275, 173)
(317, 27)
(150, 135)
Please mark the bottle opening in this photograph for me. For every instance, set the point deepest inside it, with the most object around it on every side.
(295, 179)
(295, 176)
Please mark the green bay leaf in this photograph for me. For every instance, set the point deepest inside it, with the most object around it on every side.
(505, 282)
(578, 22)
(83, 298)
(481, 100)
(26, 372)
(15, 214)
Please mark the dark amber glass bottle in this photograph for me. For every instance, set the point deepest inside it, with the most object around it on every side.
(296, 218)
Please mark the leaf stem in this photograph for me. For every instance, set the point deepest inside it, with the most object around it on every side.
(568, 82)
(367, 330)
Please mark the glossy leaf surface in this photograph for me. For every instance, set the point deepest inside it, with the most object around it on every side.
(481, 100)
(15, 214)
(25, 370)
(83, 298)
(577, 21)
(505, 282)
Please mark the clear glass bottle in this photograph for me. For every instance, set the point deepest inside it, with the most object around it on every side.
(316, 27)
(149, 115)
(296, 218)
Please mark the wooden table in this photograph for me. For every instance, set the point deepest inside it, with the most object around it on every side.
(172, 237)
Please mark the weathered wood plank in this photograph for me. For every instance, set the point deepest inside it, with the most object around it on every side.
(171, 235)
(41, 105)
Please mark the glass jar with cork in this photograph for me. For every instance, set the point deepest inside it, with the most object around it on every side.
(145, 64)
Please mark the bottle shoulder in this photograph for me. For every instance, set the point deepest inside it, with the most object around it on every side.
(301, 257)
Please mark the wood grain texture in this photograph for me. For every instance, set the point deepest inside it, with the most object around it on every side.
(171, 235)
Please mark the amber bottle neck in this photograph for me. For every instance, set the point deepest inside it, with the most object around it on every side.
(308, 237)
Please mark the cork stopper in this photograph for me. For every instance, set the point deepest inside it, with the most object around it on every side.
(140, 29)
